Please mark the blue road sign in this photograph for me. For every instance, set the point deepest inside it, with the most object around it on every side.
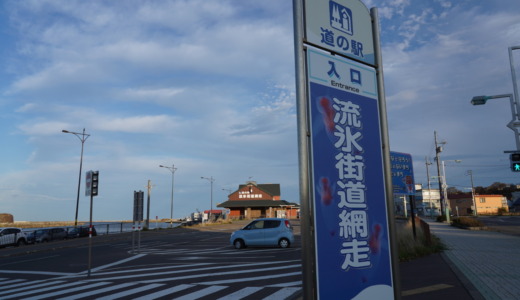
(353, 258)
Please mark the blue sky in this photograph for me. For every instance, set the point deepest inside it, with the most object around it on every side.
(209, 87)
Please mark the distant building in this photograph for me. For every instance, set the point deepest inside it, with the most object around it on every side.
(253, 200)
(462, 204)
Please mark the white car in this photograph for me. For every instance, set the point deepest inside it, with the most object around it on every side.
(264, 232)
(10, 236)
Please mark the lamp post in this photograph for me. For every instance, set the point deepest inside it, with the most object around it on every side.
(172, 169)
(82, 136)
(514, 124)
(211, 180)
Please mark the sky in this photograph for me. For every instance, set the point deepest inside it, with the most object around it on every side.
(209, 88)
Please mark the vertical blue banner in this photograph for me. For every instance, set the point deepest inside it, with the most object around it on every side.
(351, 226)
(402, 173)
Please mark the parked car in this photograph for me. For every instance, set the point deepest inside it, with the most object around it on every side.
(46, 235)
(10, 236)
(264, 232)
(80, 231)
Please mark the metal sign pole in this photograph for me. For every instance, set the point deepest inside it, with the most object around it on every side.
(308, 262)
(90, 237)
(386, 153)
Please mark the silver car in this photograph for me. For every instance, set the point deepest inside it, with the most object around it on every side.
(264, 232)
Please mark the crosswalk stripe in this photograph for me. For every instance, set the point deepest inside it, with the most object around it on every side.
(218, 274)
(17, 283)
(66, 291)
(131, 291)
(284, 284)
(99, 291)
(282, 294)
(44, 284)
(57, 285)
(148, 269)
(228, 281)
(205, 269)
(201, 293)
(241, 293)
(165, 292)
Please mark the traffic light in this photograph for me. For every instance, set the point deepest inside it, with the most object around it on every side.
(515, 162)
(95, 182)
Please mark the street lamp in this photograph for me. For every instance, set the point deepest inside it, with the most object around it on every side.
(172, 169)
(445, 189)
(515, 104)
(82, 137)
(210, 179)
(514, 124)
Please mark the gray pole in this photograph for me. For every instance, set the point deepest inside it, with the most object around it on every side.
(437, 158)
(149, 187)
(306, 211)
(513, 75)
(83, 138)
(171, 204)
(385, 143)
(470, 173)
(428, 163)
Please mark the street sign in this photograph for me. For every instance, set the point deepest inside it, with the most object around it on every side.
(342, 26)
(402, 173)
(350, 212)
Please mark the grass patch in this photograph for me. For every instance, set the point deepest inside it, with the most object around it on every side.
(410, 248)
(39, 224)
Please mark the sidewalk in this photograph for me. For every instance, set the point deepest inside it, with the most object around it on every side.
(487, 263)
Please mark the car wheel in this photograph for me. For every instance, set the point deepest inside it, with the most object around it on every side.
(239, 244)
(284, 243)
(21, 242)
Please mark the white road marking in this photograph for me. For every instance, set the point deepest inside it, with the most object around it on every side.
(241, 293)
(202, 293)
(165, 292)
(282, 294)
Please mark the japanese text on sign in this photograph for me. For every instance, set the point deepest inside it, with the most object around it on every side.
(353, 221)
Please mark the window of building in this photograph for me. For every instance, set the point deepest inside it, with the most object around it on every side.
(482, 200)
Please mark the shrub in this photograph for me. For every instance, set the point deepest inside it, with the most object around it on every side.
(467, 222)
(441, 218)
(501, 211)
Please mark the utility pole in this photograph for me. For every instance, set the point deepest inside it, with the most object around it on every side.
(470, 173)
(438, 149)
(428, 163)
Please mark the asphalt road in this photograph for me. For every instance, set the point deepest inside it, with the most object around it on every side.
(181, 263)
(504, 224)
